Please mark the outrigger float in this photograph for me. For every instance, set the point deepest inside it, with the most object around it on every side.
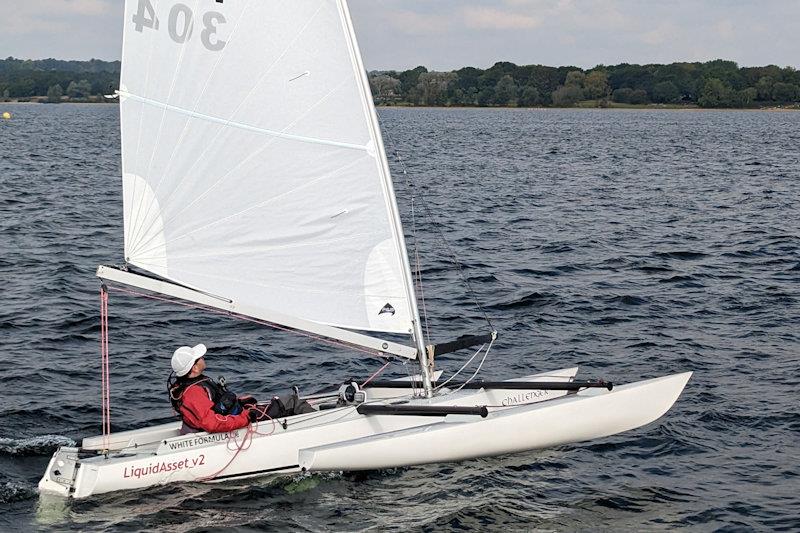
(256, 184)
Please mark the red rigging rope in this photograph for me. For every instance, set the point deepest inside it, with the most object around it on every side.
(247, 440)
(373, 376)
(104, 367)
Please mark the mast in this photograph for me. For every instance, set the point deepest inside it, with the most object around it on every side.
(397, 225)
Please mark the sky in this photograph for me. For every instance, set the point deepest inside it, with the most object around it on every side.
(449, 34)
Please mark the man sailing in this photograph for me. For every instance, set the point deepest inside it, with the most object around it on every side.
(204, 404)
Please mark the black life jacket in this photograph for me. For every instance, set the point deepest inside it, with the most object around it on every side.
(225, 402)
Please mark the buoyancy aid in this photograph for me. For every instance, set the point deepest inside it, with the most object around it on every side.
(225, 402)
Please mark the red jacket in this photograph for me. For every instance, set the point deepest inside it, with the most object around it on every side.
(196, 409)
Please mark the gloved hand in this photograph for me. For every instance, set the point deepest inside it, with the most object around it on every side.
(253, 415)
(247, 401)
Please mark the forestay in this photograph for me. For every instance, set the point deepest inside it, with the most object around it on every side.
(252, 166)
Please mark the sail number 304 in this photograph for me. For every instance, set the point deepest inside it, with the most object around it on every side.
(180, 24)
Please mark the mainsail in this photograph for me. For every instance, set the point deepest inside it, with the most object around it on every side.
(252, 164)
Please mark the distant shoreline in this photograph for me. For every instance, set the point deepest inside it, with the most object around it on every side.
(43, 100)
(611, 106)
(716, 84)
(645, 107)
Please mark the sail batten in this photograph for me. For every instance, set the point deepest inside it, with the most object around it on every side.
(252, 168)
(241, 125)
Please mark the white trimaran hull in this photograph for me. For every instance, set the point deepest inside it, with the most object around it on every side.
(341, 439)
(255, 183)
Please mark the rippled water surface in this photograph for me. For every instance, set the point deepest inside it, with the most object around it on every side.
(634, 244)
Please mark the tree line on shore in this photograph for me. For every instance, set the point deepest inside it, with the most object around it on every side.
(713, 84)
(57, 80)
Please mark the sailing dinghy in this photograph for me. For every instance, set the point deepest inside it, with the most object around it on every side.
(256, 184)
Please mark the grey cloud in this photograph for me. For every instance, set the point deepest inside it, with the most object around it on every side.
(65, 29)
(447, 34)
(576, 32)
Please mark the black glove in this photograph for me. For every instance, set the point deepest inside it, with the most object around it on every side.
(253, 415)
(247, 401)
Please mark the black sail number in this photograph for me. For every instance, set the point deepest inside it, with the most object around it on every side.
(180, 24)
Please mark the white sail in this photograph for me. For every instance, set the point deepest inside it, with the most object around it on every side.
(252, 165)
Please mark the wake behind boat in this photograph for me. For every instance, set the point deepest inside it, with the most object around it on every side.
(256, 184)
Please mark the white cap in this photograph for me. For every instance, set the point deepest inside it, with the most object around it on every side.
(185, 357)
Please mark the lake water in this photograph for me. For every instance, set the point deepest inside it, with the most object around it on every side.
(632, 243)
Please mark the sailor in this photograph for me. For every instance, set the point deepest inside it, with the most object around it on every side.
(207, 405)
(202, 403)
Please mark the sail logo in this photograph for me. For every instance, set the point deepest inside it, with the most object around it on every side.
(387, 310)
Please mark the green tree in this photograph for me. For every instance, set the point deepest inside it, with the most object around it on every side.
(385, 89)
(81, 89)
(575, 78)
(764, 88)
(745, 97)
(665, 92)
(505, 91)
(726, 71)
(409, 80)
(622, 95)
(785, 92)
(54, 94)
(567, 96)
(486, 96)
(469, 96)
(639, 96)
(23, 87)
(596, 85)
(432, 87)
(530, 96)
(715, 94)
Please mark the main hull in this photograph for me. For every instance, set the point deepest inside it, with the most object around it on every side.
(343, 439)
